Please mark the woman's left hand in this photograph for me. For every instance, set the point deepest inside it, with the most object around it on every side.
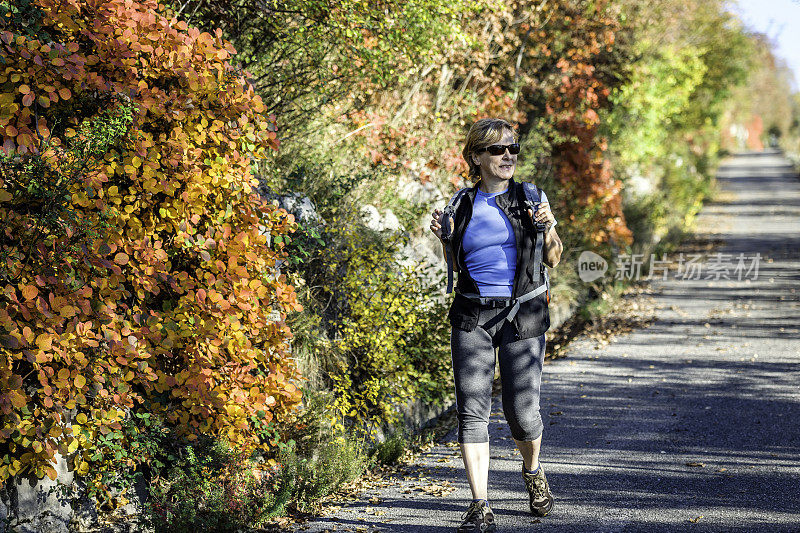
(543, 214)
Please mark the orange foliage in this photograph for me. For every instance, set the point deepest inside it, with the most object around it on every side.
(755, 127)
(584, 174)
(541, 65)
(177, 307)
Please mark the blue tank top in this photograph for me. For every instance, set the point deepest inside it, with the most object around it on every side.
(490, 250)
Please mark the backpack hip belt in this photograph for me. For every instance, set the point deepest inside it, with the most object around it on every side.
(515, 302)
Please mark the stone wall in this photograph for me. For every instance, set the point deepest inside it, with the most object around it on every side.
(31, 505)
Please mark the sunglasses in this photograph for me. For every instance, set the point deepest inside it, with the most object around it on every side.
(500, 149)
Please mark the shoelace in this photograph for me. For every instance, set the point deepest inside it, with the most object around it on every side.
(474, 507)
(538, 489)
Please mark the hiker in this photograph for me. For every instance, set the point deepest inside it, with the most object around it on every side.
(498, 235)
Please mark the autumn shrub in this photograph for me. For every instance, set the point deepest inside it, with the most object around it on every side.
(373, 334)
(139, 265)
(210, 486)
(665, 125)
(369, 324)
(304, 482)
(311, 55)
(389, 336)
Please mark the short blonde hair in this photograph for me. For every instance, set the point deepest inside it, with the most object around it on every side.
(484, 132)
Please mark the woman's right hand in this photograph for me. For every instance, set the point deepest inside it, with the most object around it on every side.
(436, 223)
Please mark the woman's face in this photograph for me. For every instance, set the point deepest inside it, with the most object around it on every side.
(497, 166)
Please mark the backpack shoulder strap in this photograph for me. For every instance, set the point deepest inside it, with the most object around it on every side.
(532, 193)
(532, 196)
(447, 233)
(456, 199)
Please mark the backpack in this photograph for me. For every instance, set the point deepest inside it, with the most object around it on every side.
(532, 197)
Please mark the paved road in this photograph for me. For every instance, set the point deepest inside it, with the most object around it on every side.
(691, 424)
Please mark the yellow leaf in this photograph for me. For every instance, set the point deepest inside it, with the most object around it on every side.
(44, 341)
(30, 292)
(80, 381)
(83, 468)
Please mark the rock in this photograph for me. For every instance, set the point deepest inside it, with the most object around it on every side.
(39, 505)
(377, 222)
(84, 516)
(371, 217)
(301, 207)
(31, 505)
(415, 252)
(391, 222)
(420, 193)
(3, 513)
(419, 254)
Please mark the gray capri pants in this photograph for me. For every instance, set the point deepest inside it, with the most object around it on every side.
(473, 355)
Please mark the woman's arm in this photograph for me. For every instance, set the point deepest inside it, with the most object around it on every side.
(552, 248)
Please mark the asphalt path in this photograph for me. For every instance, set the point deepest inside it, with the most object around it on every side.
(690, 424)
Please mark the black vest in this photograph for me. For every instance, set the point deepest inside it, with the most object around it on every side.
(533, 317)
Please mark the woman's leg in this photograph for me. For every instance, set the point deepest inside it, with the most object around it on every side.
(473, 371)
(530, 452)
(521, 375)
(476, 463)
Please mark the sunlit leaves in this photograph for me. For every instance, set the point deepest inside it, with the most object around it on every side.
(304, 54)
(152, 286)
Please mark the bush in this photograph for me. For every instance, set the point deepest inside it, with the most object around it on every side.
(305, 481)
(389, 336)
(138, 263)
(391, 450)
(211, 487)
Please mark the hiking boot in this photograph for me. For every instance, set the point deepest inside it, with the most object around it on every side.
(539, 491)
(477, 518)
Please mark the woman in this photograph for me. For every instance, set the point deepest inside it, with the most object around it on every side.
(495, 239)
